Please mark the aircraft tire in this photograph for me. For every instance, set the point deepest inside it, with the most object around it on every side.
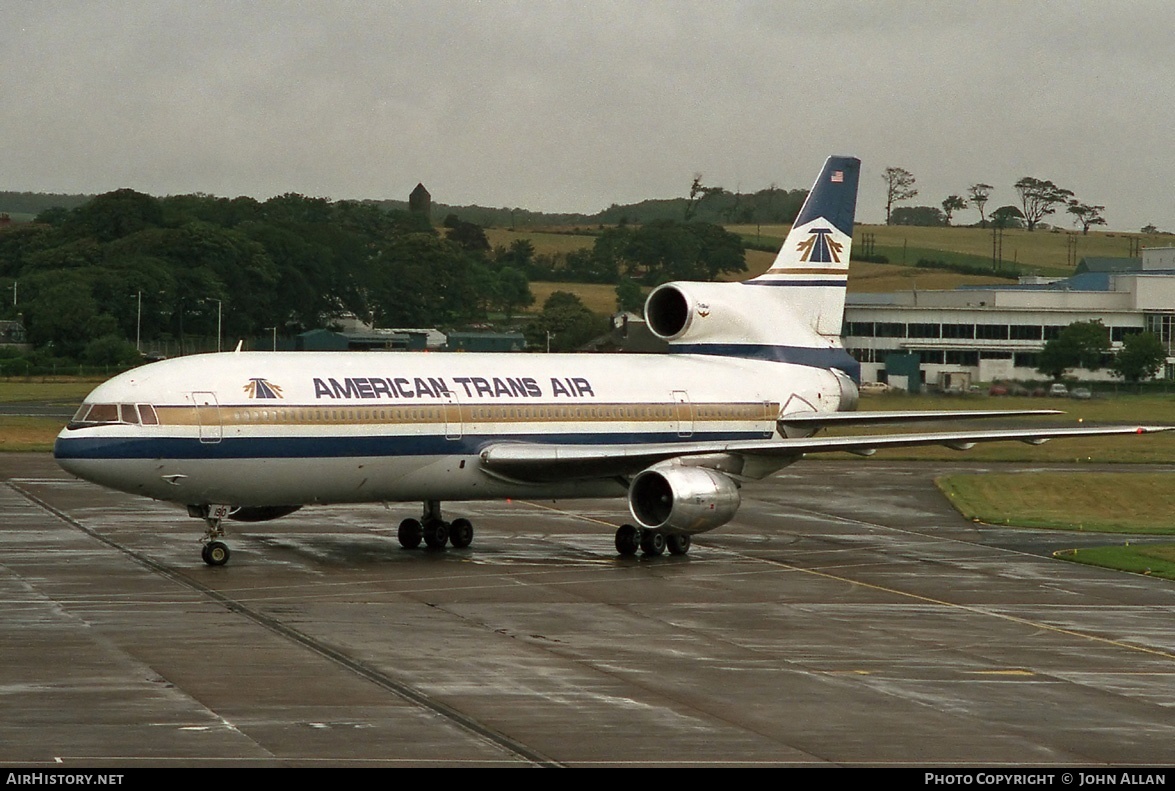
(628, 539)
(652, 542)
(436, 534)
(411, 533)
(677, 543)
(461, 533)
(216, 553)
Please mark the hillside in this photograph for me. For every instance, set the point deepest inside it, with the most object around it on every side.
(1042, 251)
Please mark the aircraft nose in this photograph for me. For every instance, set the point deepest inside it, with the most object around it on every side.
(63, 454)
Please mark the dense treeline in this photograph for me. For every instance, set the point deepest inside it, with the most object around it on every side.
(650, 254)
(716, 205)
(37, 202)
(90, 280)
(290, 262)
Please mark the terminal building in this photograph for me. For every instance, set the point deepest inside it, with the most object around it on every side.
(956, 338)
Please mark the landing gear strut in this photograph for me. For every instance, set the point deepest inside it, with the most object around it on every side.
(434, 531)
(214, 552)
(630, 538)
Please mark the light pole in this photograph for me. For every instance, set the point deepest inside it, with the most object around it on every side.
(139, 325)
(274, 328)
(219, 316)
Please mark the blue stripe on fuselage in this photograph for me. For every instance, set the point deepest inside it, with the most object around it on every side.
(146, 447)
(825, 358)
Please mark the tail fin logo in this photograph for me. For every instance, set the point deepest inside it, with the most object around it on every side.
(259, 388)
(820, 247)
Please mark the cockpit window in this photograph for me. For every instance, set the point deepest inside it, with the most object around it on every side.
(102, 413)
(89, 415)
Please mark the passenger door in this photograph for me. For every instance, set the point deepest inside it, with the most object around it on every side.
(207, 416)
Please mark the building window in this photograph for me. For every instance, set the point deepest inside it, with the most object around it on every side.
(958, 330)
(991, 332)
(924, 331)
(959, 357)
(887, 329)
(1163, 326)
(1026, 332)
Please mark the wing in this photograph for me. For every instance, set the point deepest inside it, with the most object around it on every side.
(551, 462)
(823, 419)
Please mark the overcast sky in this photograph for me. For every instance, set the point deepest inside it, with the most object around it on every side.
(562, 106)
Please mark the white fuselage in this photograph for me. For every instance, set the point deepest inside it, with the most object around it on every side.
(268, 429)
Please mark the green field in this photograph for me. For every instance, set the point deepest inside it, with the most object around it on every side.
(1085, 502)
(1045, 251)
(63, 390)
(1041, 248)
(1118, 410)
(1099, 502)
(1153, 560)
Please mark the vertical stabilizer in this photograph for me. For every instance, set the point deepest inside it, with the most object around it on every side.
(812, 268)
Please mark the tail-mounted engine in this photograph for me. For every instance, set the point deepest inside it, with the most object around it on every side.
(689, 313)
(679, 499)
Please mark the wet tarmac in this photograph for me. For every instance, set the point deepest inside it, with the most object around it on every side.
(847, 617)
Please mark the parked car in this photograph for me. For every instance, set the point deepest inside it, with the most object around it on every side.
(1058, 389)
(875, 387)
(998, 390)
(1081, 392)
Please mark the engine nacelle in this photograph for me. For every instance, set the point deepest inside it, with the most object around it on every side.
(679, 499)
(687, 312)
(261, 513)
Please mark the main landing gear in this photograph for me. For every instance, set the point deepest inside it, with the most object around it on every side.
(630, 538)
(434, 531)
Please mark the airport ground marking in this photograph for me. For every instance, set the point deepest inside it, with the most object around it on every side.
(405, 691)
(955, 605)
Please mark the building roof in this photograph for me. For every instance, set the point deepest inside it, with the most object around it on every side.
(1101, 263)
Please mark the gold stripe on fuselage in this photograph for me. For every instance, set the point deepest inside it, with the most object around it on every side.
(284, 414)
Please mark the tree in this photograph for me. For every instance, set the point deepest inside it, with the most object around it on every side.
(1142, 356)
(629, 296)
(1085, 215)
(513, 291)
(899, 186)
(928, 216)
(698, 192)
(467, 234)
(979, 194)
(952, 204)
(566, 322)
(1083, 344)
(1007, 217)
(1039, 199)
(665, 250)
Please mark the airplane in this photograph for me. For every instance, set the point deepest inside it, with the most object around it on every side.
(754, 370)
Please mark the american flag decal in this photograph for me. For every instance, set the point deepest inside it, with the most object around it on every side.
(838, 176)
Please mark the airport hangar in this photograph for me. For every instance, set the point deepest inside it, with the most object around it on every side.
(954, 338)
